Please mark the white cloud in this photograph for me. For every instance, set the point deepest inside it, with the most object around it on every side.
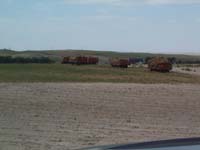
(9, 1)
(111, 18)
(92, 1)
(198, 20)
(172, 1)
(129, 2)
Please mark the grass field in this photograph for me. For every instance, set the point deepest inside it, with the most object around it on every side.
(70, 73)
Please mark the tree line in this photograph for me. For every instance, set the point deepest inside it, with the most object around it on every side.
(175, 60)
(24, 60)
(188, 61)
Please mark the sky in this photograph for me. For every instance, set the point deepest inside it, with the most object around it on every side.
(158, 26)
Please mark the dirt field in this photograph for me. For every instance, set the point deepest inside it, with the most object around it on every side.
(61, 116)
(193, 70)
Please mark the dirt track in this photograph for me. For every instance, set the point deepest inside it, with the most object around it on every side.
(56, 116)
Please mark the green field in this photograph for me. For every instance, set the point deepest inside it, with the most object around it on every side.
(73, 73)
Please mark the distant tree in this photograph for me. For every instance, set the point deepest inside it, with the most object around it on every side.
(24, 60)
(172, 60)
(147, 59)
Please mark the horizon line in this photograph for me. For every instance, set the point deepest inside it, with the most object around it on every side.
(100, 50)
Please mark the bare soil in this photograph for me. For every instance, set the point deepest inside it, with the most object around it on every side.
(61, 116)
(192, 70)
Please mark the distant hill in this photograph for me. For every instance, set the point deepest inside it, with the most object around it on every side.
(57, 55)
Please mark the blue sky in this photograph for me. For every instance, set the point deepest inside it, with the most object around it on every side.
(166, 26)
